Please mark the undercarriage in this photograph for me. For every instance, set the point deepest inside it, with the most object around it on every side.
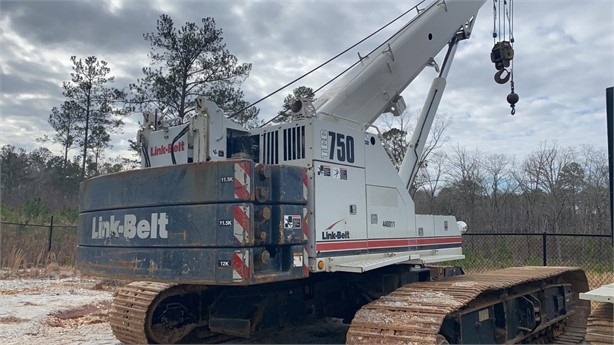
(514, 305)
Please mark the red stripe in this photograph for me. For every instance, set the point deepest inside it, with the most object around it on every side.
(240, 266)
(241, 217)
(437, 240)
(385, 243)
(241, 191)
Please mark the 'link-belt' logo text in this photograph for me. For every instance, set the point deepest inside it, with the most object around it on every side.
(130, 226)
(335, 235)
(166, 149)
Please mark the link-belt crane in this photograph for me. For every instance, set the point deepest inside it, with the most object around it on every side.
(231, 231)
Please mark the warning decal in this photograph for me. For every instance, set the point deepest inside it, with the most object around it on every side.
(292, 222)
(334, 172)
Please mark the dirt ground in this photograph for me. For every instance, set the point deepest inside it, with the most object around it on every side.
(59, 308)
(62, 307)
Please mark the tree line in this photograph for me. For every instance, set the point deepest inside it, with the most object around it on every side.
(553, 189)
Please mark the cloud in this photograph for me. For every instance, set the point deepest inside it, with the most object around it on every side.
(564, 51)
(91, 25)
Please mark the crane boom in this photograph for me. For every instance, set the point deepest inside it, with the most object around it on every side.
(374, 85)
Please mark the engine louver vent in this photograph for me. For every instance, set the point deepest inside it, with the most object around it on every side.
(294, 143)
(271, 147)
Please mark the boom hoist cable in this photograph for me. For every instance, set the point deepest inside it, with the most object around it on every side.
(502, 53)
(416, 7)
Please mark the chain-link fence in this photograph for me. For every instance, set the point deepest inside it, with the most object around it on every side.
(31, 245)
(28, 245)
(592, 253)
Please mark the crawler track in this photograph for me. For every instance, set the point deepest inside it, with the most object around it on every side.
(128, 315)
(146, 312)
(600, 324)
(414, 313)
(152, 312)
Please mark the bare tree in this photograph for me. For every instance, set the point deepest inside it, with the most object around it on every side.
(499, 185)
(464, 191)
(543, 183)
(592, 201)
(395, 141)
(429, 181)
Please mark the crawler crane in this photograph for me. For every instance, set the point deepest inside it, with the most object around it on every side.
(228, 231)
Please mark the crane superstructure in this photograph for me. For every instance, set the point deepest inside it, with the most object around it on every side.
(297, 220)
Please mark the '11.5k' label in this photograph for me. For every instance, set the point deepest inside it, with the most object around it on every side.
(130, 226)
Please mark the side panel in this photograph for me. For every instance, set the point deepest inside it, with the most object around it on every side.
(340, 207)
(387, 215)
(446, 226)
(425, 226)
(161, 148)
(381, 173)
(388, 226)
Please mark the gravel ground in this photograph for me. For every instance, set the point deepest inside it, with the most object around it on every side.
(54, 310)
(64, 308)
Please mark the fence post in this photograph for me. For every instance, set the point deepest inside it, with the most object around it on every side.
(50, 234)
(544, 253)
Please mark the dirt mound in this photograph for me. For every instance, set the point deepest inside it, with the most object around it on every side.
(84, 315)
(11, 319)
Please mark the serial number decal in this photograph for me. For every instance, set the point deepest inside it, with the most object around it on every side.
(337, 146)
(223, 263)
(388, 224)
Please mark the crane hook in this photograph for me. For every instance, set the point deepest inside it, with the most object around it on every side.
(512, 99)
(504, 79)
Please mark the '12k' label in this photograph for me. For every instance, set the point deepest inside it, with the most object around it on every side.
(130, 226)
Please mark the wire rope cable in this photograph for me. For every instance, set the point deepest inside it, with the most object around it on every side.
(330, 60)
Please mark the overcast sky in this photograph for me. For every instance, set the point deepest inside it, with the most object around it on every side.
(564, 60)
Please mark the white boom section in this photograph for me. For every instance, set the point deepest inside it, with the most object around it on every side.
(374, 86)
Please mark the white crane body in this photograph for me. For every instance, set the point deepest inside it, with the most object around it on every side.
(360, 213)
(232, 230)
